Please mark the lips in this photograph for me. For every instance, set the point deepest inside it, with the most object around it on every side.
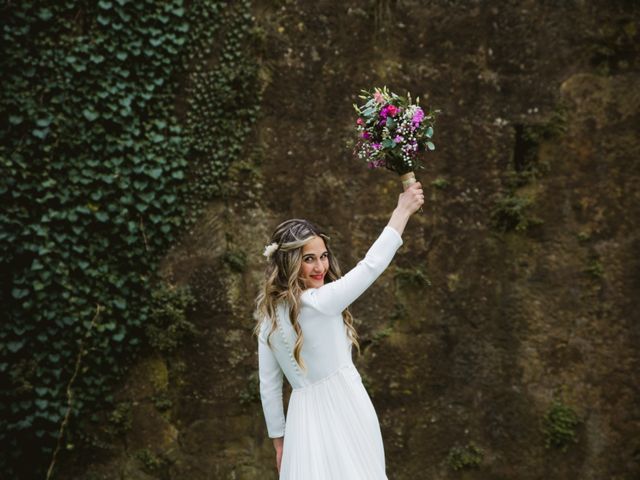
(317, 277)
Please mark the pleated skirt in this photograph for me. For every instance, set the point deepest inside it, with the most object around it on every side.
(332, 431)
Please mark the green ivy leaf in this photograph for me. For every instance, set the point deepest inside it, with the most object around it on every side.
(15, 346)
(19, 293)
(155, 173)
(43, 122)
(102, 216)
(40, 133)
(120, 303)
(90, 114)
(45, 14)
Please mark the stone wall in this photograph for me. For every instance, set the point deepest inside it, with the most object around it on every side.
(518, 285)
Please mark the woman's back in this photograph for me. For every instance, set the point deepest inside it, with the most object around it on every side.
(326, 345)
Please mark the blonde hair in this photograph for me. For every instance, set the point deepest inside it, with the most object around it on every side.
(284, 284)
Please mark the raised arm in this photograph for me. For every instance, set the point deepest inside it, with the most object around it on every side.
(332, 298)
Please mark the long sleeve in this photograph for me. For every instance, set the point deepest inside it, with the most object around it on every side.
(270, 375)
(334, 297)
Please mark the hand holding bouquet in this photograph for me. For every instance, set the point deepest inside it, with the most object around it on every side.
(392, 132)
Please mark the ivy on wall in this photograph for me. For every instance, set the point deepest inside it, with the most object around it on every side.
(102, 168)
(222, 101)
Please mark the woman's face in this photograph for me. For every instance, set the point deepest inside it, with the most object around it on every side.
(315, 263)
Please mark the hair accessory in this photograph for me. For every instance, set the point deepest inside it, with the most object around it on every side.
(270, 249)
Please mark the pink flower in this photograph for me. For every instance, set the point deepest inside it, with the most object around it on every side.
(389, 111)
(359, 121)
(376, 146)
(418, 116)
(398, 138)
(378, 97)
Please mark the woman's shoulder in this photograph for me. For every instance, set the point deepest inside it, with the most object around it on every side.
(311, 299)
(307, 295)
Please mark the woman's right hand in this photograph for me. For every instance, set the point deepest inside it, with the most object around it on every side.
(411, 199)
(409, 202)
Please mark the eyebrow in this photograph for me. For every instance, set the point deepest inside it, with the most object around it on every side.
(313, 254)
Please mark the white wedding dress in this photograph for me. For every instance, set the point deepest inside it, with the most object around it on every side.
(331, 430)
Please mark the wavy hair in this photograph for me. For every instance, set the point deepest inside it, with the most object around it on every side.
(283, 282)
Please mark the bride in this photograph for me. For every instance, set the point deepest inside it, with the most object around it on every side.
(305, 333)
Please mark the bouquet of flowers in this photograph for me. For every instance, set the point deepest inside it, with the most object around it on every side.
(392, 132)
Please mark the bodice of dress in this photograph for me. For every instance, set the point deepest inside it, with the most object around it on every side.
(326, 345)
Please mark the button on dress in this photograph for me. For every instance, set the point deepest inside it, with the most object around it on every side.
(331, 431)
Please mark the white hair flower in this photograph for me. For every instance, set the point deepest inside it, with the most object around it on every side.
(270, 249)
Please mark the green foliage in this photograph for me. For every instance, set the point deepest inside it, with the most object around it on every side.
(152, 463)
(168, 326)
(468, 456)
(407, 277)
(614, 47)
(369, 384)
(380, 335)
(511, 213)
(584, 236)
(162, 401)
(99, 179)
(553, 128)
(222, 98)
(440, 183)
(531, 172)
(559, 426)
(595, 268)
(251, 393)
(236, 260)
(120, 419)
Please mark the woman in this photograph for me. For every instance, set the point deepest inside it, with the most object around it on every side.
(305, 333)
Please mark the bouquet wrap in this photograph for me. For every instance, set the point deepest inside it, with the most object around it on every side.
(407, 179)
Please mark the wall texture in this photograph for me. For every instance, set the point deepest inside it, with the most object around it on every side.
(516, 287)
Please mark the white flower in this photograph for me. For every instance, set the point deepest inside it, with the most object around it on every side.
(270, 249)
